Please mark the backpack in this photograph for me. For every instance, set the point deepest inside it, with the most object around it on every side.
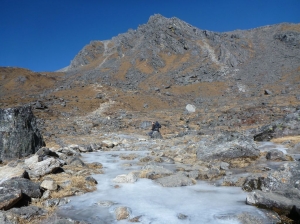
(157, 126)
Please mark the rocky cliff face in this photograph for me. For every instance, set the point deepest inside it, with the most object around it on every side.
(168, 51)
(19, 135)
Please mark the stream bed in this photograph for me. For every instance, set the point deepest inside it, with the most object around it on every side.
(151, 203)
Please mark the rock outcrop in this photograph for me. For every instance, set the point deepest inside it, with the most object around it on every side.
(278, 191)
(19, 134)
(289, 125)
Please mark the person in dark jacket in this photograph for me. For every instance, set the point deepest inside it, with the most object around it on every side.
(155, 127)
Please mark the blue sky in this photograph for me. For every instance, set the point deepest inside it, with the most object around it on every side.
(45, 35)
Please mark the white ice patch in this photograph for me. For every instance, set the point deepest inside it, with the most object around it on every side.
(201, 203)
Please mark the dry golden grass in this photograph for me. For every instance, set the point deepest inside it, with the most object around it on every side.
(78, 184)
(144, 67)
(121, 74)
(173, 61)
(292, 139)
(201, 89)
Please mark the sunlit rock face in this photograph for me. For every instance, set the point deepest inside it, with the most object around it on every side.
(19, 134)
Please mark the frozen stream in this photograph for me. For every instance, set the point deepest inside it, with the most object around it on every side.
(200, 203)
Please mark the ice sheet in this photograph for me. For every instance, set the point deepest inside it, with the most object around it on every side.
(200, 203)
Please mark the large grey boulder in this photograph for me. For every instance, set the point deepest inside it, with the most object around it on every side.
(9, 197)
(44, 167)
(279, 190)
(228, 146)
(27, 187)
(272, 200)
(19, 134)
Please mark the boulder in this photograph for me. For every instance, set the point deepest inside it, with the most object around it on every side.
(176, 180)
(275, 155)
(49, 184)
(190, 108)
(278, 190)
(75, 161)
(19, 134)
(46, 152)
(44, 167)
(156, 135)
(27, 187)
(9, 197)
(126, 178)
(226, 147)
(68, 151)
(272, 200)
(253, 183)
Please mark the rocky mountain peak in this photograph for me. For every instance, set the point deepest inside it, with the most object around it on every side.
(169, 51)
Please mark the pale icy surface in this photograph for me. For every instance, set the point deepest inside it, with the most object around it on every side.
(201, 203)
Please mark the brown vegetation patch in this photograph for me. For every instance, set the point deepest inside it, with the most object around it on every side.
(207, 89)
(144, 67)
(173, 61)
(292, 139)
(121, 74)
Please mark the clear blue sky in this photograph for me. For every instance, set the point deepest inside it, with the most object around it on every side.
(45, 35)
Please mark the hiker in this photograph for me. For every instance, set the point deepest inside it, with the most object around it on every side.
(155, 127)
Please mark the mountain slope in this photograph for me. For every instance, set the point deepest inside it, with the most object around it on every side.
(170, 51)
(239, 78)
